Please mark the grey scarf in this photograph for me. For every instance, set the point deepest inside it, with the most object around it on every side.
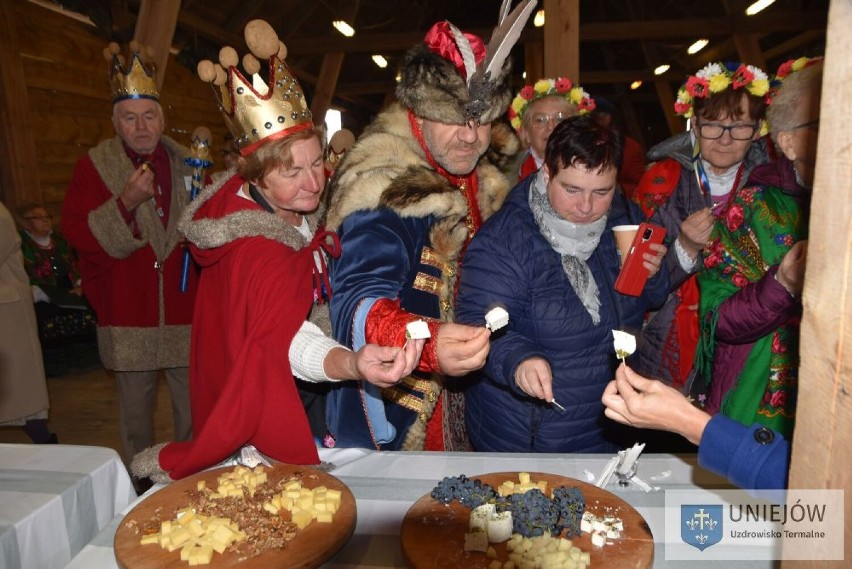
(575, 242)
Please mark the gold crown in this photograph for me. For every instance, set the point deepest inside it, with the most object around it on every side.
(255, 111)
(136, 81)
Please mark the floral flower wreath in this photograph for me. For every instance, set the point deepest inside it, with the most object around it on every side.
(716, 77)
(560, 86)
(785, 69)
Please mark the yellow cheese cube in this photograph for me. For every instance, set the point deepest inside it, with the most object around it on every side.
(324, 517)
(180, 536)
(148, 539)
(270, 507)
(302, 519)
(196, 528)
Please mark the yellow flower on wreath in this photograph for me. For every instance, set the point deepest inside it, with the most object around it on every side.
(561, 86)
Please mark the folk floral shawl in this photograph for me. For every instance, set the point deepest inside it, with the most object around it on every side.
(755, 232)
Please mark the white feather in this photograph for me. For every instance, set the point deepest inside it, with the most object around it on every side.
(466, 52)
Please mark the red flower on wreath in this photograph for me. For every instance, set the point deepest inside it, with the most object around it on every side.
(739, 280)
(511, 113)
(587, 104)
(681, 108)
(527, 92)
(734, 217)
(563, 85)
(742, 77)
(784, 69)
(697, 87)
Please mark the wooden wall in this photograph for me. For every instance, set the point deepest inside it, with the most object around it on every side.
(67, 91)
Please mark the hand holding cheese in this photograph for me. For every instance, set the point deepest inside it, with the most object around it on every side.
(462, 349)
(648, 404)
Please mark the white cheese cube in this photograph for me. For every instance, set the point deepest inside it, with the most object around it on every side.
(500, 527)
(496, 318)
(417, 330)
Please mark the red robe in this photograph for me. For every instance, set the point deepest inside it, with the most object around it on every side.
(131, 268)
(255, 293)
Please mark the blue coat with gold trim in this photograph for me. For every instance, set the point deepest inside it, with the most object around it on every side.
(401, 228)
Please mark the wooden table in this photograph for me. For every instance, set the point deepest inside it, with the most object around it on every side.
(54, 499)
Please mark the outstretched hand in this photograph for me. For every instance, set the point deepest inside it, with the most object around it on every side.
(461, 348)
(384, 366)
(649, 404)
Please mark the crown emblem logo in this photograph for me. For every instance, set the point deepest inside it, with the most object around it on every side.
(257, 111)
(138, 79)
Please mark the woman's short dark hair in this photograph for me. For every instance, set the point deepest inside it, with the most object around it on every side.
(728, 104)
(582, 141)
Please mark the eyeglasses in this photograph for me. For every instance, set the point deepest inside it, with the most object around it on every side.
(541, 120)
(713, 131)
(40, 217)
(811, 124)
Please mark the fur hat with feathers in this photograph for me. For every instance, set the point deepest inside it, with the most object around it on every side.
(449, 78)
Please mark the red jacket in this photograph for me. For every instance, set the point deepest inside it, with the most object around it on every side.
(131, 271)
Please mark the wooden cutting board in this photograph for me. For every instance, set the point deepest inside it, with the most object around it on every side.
(432, 533)
(310, 547)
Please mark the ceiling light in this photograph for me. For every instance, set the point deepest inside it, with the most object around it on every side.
(758, 6)
(697, 46)
(343, 28)
(538, 20)
(662, 69)
(398, 77)
(524, 75)
(380, 61)
(635, 85)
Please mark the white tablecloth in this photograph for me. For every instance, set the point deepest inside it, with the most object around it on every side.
(386, 484)
(54, 499)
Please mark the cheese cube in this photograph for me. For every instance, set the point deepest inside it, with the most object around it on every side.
(302, 519)
(496, 318)
(418, 329)
(476, 541)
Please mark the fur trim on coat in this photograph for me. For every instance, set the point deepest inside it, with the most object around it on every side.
(388, 168)
(209, 233)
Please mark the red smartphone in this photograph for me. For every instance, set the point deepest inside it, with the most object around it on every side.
(631, 279)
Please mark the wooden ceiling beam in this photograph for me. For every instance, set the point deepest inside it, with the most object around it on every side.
(155, 28)
(609, 31)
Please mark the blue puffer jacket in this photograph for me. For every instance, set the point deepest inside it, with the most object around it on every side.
(509, 263)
